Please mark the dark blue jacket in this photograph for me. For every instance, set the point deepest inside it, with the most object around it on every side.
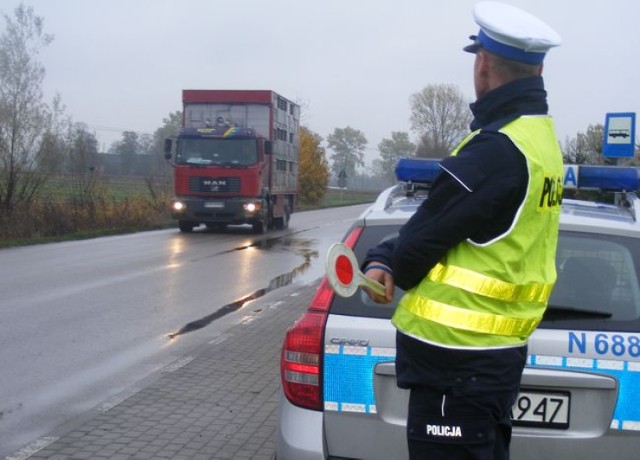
(477, 196)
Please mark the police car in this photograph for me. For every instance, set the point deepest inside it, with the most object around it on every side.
(580, 392)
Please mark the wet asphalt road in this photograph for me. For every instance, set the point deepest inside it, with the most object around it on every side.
(82, 321)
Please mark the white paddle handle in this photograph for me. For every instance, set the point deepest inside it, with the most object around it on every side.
(371, 284)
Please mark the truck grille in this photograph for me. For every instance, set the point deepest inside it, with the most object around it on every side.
(218, 184)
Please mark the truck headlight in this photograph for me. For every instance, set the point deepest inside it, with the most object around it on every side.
(178, 206)
(251, 207)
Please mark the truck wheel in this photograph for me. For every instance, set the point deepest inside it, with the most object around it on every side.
(262, 225)
(259, 227)
(185, 226)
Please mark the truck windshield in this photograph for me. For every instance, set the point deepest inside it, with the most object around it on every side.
(222, 152)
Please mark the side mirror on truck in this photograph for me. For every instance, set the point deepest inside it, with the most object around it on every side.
(268, 148)
(168, 146)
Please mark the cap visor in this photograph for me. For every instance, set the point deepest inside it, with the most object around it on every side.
(473, 48)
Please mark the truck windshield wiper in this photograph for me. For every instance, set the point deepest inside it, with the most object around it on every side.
(559, 312)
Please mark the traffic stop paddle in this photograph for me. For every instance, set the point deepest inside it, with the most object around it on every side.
(343, 273)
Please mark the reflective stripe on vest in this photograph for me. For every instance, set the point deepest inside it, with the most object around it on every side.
(469, 320)
(477, 283)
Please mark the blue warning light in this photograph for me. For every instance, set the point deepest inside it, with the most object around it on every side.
(607, 178)
(417, 170)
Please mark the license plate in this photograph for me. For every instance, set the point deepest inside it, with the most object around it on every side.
(214, 204)
(541, 409)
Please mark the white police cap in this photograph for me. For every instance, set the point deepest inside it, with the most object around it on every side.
(512, 33)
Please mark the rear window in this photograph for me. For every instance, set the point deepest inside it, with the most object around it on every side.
(597, 286)
(596, 273)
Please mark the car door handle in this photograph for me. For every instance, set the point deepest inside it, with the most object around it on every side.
(388, 368)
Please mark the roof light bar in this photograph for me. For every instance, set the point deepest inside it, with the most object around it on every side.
(609, 178)
(417, 170)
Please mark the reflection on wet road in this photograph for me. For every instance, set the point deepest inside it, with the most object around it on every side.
(301, 247)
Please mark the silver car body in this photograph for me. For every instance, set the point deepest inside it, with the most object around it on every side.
(580, 392)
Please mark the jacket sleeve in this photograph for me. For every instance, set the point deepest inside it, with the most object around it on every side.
(430, 232)
(381, 253)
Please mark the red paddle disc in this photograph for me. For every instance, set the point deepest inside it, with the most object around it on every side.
(344, 270)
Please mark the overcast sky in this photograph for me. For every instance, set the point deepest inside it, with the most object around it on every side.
(121, 64)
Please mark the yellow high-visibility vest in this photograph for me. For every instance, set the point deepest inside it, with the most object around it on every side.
(493, 295)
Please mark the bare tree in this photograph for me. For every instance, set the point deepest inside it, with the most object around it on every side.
(51, 154)
(24, 117)
(585, 148)
(440, 117)
(160, 178)
(83, 159)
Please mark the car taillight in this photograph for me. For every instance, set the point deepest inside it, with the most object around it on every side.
(302, 353)
(301, 360)
(352, 237)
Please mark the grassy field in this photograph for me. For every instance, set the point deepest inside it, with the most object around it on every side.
(115, 187)
(116, 205)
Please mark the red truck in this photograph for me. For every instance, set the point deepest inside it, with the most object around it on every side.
(235, 159)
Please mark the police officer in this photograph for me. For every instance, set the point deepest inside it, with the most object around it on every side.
(477, 260)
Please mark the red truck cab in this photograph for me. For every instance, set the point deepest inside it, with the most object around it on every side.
(239, 169)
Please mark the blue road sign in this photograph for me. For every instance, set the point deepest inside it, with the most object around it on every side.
(619, 135)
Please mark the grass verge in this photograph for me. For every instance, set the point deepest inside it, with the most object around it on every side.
(62, 219)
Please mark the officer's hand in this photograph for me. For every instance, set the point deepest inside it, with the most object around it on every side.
(382, 277)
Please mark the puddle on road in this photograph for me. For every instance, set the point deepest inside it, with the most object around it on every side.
(302, 247)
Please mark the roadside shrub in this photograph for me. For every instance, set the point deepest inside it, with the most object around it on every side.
(59, 216)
